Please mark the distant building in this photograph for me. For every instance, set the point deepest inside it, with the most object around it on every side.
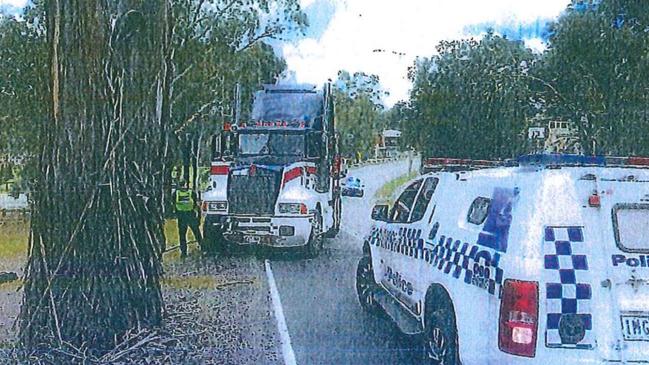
(388, 144)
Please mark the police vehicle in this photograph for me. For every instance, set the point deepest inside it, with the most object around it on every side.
(543, 261)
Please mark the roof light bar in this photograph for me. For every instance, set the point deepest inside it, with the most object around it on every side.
(580, 160)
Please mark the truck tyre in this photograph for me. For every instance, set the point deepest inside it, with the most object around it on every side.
(331, 233)
(314, 245)
(366, 287)
(213, 241)
(440, 331)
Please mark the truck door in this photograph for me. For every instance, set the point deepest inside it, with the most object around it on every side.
(617, 222)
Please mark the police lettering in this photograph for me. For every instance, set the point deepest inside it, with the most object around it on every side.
(400, 283)
(638, 261)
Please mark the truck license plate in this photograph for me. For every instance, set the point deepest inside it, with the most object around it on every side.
(251, 239)
(635, 327)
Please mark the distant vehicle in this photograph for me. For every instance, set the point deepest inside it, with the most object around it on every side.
(352, 187)
(275, 178)
(545, 262)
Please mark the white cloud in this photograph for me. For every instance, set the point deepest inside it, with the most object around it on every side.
(536, 44)
(14, 3)
(410, 28)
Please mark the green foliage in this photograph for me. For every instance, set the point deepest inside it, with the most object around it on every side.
(597, 74)
(358, 113)
(23, 80)
(470, 100)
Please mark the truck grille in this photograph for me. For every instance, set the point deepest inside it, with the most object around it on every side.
(254, 194)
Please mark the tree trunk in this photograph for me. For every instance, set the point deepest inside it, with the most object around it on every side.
(95, 249)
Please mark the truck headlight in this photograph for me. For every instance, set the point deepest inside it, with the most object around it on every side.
(292, 208)
(217, 206)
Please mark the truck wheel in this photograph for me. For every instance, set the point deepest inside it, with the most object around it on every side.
(366, 286)
(440, 331)
(314, 245)
(331, 233)
(213, 241)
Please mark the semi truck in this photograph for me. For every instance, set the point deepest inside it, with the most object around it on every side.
(275, 175)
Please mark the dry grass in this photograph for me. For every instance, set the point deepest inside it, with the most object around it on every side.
(13, 240)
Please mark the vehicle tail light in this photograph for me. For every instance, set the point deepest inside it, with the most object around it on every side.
(219, 169)
(204, 206)
(519, 311)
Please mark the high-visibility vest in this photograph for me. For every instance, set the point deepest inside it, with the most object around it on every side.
(184, 201)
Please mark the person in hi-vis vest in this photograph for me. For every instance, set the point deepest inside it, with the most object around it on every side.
(186, 207)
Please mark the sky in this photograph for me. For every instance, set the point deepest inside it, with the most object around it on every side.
(384, 37)
(346, 34)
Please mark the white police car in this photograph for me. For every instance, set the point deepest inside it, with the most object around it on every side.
(544, 262)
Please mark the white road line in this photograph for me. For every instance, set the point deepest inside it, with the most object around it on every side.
(285, 339)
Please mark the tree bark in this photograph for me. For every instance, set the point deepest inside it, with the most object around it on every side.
(97, 227)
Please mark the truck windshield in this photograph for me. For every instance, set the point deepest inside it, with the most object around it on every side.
(304, 107)
(274, 144)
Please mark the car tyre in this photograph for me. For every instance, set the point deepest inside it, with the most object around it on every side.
(366, 287)
(440, 332)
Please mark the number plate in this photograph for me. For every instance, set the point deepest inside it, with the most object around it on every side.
(635, 327)
(251, 239)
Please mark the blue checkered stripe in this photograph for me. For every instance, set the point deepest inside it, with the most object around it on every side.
(406, 241)
(568, 288)
(471, 263)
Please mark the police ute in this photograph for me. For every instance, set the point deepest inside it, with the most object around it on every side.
(541, 260)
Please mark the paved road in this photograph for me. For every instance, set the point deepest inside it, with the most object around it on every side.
(325, 321)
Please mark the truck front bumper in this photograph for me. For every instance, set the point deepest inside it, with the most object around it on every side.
(275, 231)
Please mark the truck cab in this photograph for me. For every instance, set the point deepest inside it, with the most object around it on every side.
(274, 179)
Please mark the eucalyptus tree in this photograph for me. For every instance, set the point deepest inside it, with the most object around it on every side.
(219, 44)
(94, 262)
(359, 107)
(23, 80)
(471, 100)
(597, 72)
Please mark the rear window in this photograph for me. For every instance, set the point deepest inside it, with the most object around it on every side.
(631, 226)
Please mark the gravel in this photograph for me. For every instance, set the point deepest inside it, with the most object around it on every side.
(217, 311)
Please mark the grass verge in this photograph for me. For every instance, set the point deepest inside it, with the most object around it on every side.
(13, 240)
(387, 190)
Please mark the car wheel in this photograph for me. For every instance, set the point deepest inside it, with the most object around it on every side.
(314, 245)
(440, 333)
(366, 287)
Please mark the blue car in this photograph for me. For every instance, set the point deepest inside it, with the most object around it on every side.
(352, 187)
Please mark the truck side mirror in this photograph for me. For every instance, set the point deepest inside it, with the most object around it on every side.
(380, 212)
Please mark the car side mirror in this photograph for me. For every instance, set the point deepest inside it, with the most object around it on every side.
(380, 212)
